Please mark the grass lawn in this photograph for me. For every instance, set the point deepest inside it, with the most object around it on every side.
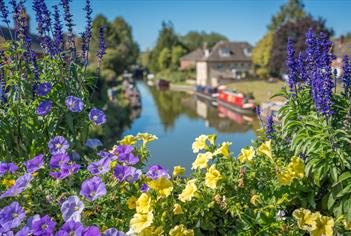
(262, 90)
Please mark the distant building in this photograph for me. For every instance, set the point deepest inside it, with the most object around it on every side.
(226, 60)
(341, 48)
(188, 61)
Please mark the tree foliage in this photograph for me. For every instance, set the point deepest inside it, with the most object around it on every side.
(261, 54)
(296, 31)
(193, 39)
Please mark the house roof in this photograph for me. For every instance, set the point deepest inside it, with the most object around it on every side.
(195, 55)
(5, 33)
(229, 51)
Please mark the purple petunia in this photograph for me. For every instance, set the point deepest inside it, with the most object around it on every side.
(21, 184)
(34, 164)
(70, 228)
(44, 108)
(128, 158)
(57, 145)
(127, 173)
(97, 116)
(99, 167)
(11, 216)
(43, 89)
(123, 149)
(93, 188)
(144, 188)
(93, 143)
(156, 172)
(113, 232)
(7, 167)
(74, 104)
(72, 208)
(59, 160)
(91, 231)
(109, 155)
(44, 226)
(65, 171)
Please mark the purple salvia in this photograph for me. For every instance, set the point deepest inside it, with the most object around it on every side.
(4, 12)
(86, 36)
(292, 66)
(269, 126)
(58, 32)
(102, 51)
(21, 22)
(346, 78)
(69, 24)
(301, 67)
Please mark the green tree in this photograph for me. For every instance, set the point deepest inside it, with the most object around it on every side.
(261, 54)
(164, 59)
(193, 39)
(177, 52)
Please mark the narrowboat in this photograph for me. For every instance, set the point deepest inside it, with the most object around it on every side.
(236, 101)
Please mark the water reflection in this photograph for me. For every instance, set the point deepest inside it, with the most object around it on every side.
(178, 117)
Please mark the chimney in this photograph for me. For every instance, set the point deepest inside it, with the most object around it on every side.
(205, 49)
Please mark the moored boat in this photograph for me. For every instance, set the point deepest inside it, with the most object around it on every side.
(236, 100)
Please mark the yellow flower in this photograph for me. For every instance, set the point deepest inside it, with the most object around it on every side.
(128, 140)
(151, 231)
(224, 149)
(201, 160)
(34, 174)
(113, 164)
(266, 148)
(347, 225)
(177, 209)
(199, 144)
(131, 202)
(178, 170)
(306, 220)
(146, 137)
(212, 177)
(189, 191)
(254, 199)
(284, 178)
(296, 168)
(162, 186)
(8, 182)
(324, 226)
(143, 204)
(180, 230)
(141, 221)
(212, 138)
(246, 155)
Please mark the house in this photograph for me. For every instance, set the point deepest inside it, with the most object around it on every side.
(188, 61)
(226, 60)
(341, 47)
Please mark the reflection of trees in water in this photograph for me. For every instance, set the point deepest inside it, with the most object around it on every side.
(170, 105)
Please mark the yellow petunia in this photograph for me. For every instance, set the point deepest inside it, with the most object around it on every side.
(177, 209)
(266, 148)
(143, 204)
(246, 155)
(146, 137)
(201, 160)
(189, 191)
(324, 226)
(284, 178)
(151, 231)
(131, 202)
(212, 177)
(178, 170)
(212, 138)
(128, 140)
(296, 168)
(306, 220)
(199, 143)
(254, 199)
(8, 182)
(140, 222)
(224, 149)
(180, 230)
(162, 186)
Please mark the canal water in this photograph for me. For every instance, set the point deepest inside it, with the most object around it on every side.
(177, 118)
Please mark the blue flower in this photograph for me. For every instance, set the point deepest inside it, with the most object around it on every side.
(44, 108)
(74, 104)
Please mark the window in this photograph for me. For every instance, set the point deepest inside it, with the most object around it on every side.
(224, 52)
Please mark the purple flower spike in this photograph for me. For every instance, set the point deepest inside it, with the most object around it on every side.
(113, 232)
(57, 145)
(74, 104)
(7, 167)
(156, 172)
(21, 184)
(97, 116)
(91, 231)
(44, 226)
(11, 216)
(127, 173)
(43, 89)
(44, 108)
(72, 208)
(100, 167)
(93, 188)
(59, 160)
(34, 164)
(71, 228)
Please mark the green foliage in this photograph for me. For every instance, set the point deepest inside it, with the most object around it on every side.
(193, 39)
(261, 55)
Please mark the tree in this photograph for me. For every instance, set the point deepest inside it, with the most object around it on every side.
(177, 53)
(296, 31)
(193, 39)
(261, 54)
(164, 59)
(293, 10)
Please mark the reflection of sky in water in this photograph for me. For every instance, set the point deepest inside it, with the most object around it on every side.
(174, 144)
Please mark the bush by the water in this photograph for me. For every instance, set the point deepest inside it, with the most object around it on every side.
(294, 179)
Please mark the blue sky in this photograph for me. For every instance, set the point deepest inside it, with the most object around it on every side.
(237, 19)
